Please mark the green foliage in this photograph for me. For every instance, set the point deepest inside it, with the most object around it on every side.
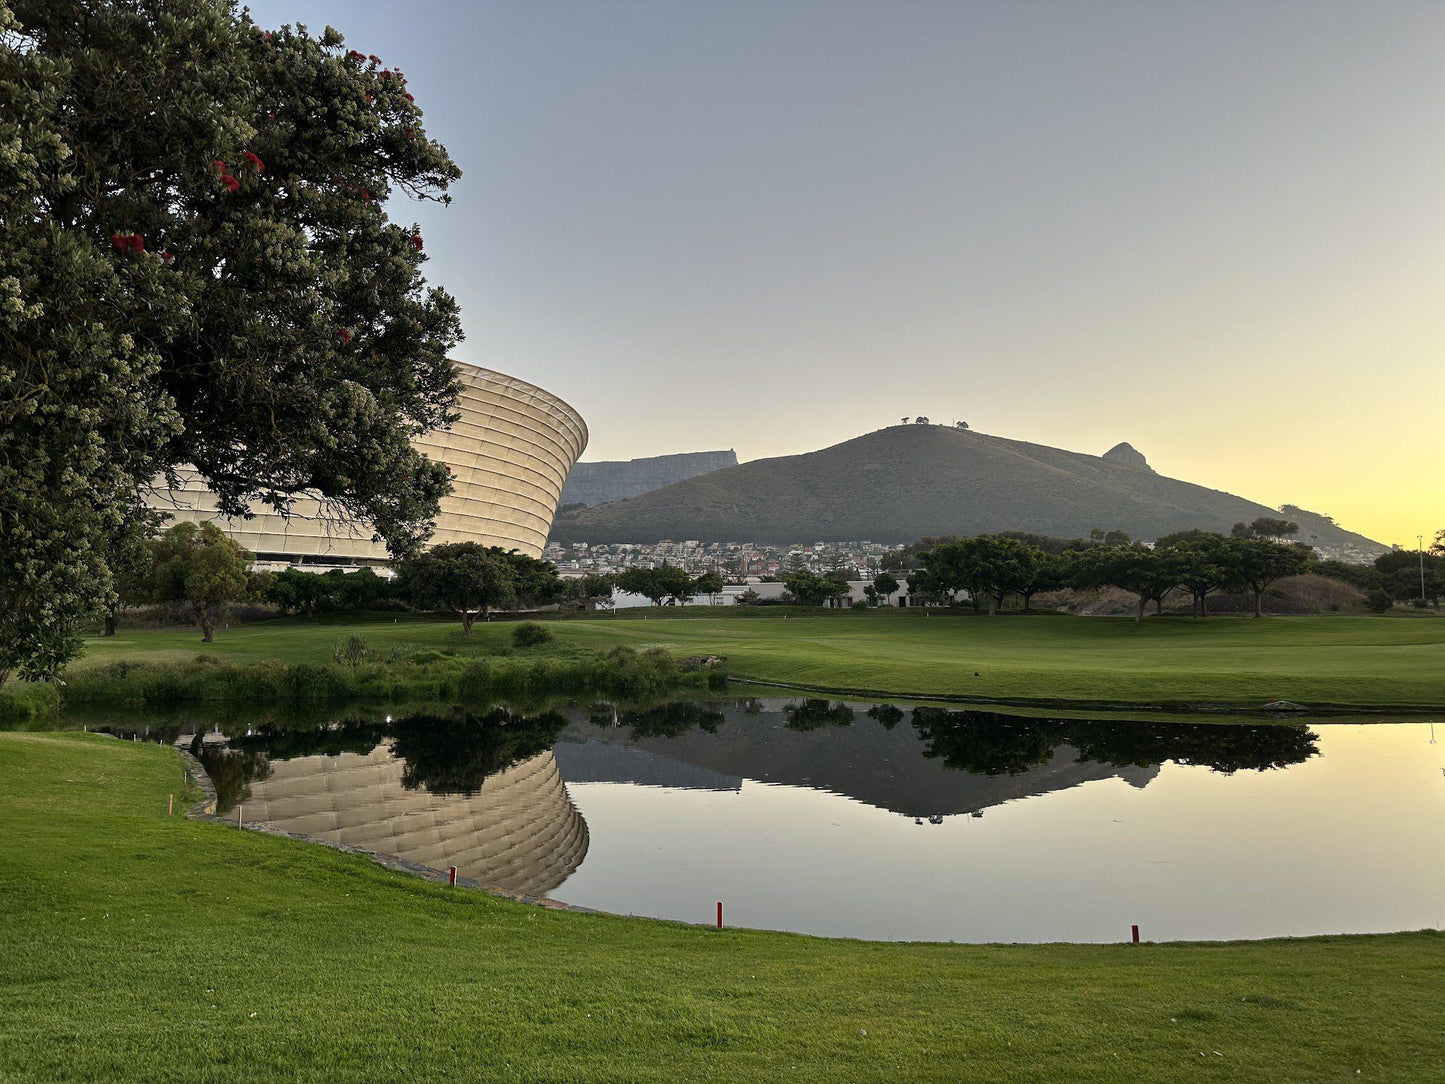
(1265, 527)
(1378, 600)
(295, 590)
(659, 585)
(196, 267)
(987, 567)
(808, 588)
(464, 577)
(351, 650)
(198, 565)
(886, 585)
(530, 634)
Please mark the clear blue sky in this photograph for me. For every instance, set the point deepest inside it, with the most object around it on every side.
(1216, 230)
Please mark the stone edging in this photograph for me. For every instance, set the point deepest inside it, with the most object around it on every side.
(205, 810)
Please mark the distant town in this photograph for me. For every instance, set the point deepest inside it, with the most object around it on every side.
(737, 562)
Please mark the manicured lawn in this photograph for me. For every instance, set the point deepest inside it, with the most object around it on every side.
(141, 947)
(1361, 661)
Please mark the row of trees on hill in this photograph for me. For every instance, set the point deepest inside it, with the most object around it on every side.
(990, 568)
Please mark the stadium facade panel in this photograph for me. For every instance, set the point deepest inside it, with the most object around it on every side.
(509, 452)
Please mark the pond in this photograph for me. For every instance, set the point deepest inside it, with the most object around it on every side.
(877, 821)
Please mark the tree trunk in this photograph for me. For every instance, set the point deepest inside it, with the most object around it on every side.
(1142, 603)
(1258, 610)
(1028, 597)
(208, 628)
(112, 622)
(1203, 603)
(467, 618)
(1159, 606)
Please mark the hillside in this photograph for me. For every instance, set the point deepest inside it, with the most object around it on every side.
(615, 480)
(902, 483)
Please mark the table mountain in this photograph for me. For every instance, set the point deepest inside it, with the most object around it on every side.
(594, 483)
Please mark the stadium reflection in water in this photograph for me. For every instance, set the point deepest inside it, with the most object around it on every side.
(880, 821)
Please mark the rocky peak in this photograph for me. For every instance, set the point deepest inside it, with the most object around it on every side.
(1127, 455)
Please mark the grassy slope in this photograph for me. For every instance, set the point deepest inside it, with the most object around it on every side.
(141, 947)
(1354, 661)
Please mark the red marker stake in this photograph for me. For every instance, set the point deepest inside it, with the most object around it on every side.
(1135, 929)
(452, 876)
(719, 914)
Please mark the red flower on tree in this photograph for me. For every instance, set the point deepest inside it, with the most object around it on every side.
(343, 335)
(353, 54)
(230, 182)
(374, 58)
(137, 242)
(219, 167)
(255, 161)
(118, 242)
(416, 241)
(411, 97)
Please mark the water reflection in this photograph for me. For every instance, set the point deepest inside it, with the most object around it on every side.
(835, 817)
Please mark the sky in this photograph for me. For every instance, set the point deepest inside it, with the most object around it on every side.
(1216, 231)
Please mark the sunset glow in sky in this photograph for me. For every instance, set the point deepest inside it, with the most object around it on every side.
(1216, 231)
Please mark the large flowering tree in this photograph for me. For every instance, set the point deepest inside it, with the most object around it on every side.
(196, 266)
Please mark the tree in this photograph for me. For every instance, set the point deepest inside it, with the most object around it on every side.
(1264, 527)
(886, 585)
(1201, 561)
(129, 559)
(466, 578)
(809, 588)
(1255, 563)
(1148, 574)
(709, 583)
(666, 582)
(534, 581)
(197, 564)
(591, 590)
(196, 266)
(988, 567)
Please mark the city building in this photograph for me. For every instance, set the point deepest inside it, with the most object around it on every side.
(509, 453)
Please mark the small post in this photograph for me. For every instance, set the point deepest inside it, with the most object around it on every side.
(238, 816)
(452, 876)
(1135, 930)
(719, 914)
(170, 805)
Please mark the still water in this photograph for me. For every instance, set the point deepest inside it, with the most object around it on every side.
(878, 821)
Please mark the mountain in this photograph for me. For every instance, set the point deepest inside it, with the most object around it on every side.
(907, 481)
(1127, 455)
(595, 483)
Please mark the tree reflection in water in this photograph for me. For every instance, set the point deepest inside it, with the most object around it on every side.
(988, 743)
(671, 720)
(454, 754)
(814, 714)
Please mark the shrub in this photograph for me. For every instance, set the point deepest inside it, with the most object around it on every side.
(530, 634)
(1378, 600)
(351, 650)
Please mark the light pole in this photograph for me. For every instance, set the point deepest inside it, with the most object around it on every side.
(1420, 543)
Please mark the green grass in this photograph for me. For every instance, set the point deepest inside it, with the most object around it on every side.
(1346, 661)
(140, 947)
